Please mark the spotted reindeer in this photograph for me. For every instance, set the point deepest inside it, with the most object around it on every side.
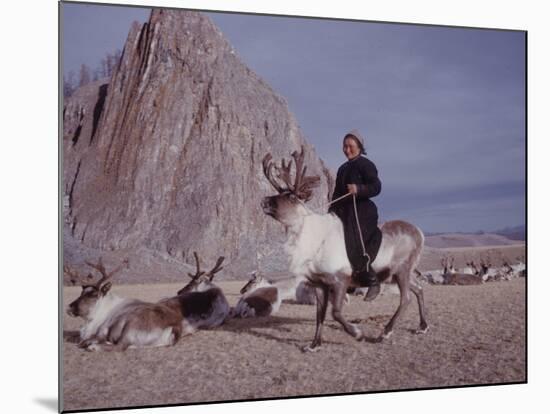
(260, 297)
(201, 303)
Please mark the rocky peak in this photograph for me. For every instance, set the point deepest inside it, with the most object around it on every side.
(168, 155)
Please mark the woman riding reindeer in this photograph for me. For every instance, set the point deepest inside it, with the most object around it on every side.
(359, 177)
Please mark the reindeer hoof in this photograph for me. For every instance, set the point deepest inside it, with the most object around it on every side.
(358, 333)
(311, 348)
(385, 336)
(85, 343)
(421, 331)
(93, 347)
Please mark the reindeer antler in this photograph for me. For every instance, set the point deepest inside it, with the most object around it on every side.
(485, 261)
(74, 276)
(198, 272)
(303, 185)
(101, 269)
(216, 268)
(268, 165)
(283, 172)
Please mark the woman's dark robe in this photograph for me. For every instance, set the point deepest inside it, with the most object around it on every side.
(363, 173)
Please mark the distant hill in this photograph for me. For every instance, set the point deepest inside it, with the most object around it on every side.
(444, 240)
(513, 233)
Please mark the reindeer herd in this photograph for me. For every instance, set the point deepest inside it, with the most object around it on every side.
(114, 323)
(476, 272)
(318, 263)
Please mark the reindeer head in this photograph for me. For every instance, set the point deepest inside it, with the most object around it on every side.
(473, 266)
(201, 281)
(285, 206)
(448, 264)
(91, 292)
(452, 267)
(256, 281)
(508, 269)
(485, 265)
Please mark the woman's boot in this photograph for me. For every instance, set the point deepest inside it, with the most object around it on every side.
(370, 280)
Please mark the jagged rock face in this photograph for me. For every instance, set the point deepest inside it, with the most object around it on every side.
(167, 155)
(80, 117)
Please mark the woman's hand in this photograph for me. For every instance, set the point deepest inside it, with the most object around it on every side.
(352, 188)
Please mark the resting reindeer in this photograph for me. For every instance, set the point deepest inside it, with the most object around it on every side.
(471, 268)
(201, 303)
(114, 323)
(510, 271)
(483, 271)
(519, 269)
(317, 249)
(451, 275)
(448, 264)
(461, 279)
(261, 297)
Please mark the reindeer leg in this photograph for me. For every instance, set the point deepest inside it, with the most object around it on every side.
(111, 340)
(321, 292)
(97, 338)
(85, 343)
(176, 333)
(337, 297)
(417, 290)
(107, 346)
(404, 289)
(98, 343)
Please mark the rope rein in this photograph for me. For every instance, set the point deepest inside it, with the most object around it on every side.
(325, 205)
(338, 199)
(365, 254)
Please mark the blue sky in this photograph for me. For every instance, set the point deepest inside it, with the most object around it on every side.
(442, 109)
(92, 31)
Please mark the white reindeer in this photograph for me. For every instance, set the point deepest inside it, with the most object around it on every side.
(317, 250)
(485, 270)
(520, 270)
(510, 271)
(471, 268)
(262, 297)
(115, 323)
(201, 303)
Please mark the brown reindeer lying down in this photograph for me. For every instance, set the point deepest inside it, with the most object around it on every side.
(114, 323)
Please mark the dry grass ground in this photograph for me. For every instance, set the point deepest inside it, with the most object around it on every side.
(477, 336)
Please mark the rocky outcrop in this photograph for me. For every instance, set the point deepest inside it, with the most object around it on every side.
(166, 155)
